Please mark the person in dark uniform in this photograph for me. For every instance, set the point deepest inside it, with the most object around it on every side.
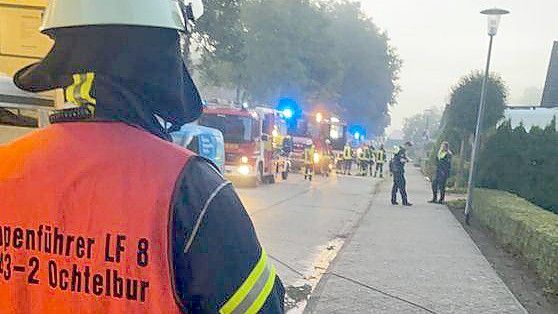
(121, 79)
(443, 168)
(397, 167)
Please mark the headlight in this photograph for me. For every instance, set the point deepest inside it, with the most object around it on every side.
(244, 170)
(316, 157)
(244, 159)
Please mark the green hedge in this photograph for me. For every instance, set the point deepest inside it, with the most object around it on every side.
(523, 227)
(523, 163)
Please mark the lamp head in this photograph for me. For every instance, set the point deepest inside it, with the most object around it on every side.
(494, 15)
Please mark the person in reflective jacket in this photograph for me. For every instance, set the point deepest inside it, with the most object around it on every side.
(443, 169)
(135, 223)
(309, 163)
(347, 158)
(380, 157)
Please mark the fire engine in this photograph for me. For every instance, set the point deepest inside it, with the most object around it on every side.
(327, 133)
(256, 149)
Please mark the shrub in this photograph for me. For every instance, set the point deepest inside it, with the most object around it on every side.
(522, 227)
(521, 162)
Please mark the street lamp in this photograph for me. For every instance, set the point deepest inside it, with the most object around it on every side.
(494, 16)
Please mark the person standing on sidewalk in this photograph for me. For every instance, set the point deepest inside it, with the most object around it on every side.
(443, 168)
(399, 182)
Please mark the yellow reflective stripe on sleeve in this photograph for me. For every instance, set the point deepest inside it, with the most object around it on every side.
(260, 301)
(70, 90)
(251, 295)
(85, 91)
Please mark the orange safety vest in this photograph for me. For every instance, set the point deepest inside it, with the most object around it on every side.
(85, 220)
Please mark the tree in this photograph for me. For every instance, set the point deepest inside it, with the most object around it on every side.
(421, 129)
(460, 115)
(463, 108)
(370, 67)
(288, 51)
(327, 53)
(220, 37)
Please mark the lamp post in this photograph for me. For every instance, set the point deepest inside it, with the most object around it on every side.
(494, 16)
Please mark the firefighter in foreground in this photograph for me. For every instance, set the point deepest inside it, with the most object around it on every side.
(104, 213)
(398, 170)
(443, 168)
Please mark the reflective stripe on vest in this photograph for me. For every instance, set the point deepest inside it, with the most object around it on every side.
(347, 153)
(380, 157)
(253, 293)
(441, 154)
(79, 93)
(84, 219)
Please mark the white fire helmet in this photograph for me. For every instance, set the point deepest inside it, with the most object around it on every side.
(173, 14)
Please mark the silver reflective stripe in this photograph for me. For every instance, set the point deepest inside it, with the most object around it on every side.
(255, 292)
(202, 215)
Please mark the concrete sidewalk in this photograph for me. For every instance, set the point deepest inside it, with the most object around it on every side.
(411, 260)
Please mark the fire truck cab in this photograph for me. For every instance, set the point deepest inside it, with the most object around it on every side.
(328, 135)
(250, 153)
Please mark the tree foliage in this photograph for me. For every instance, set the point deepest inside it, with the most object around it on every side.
(423, 127)
(370, 67)
(463, 108)
(326, 53)
(222, 48)
(288, 51)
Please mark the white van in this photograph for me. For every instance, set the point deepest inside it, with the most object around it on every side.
(21, 112)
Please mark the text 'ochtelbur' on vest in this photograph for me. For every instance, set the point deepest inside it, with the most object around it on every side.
(67, 259)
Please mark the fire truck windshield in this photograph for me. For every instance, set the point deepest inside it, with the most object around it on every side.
(235, 129)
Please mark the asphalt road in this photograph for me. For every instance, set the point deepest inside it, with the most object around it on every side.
(303, 225)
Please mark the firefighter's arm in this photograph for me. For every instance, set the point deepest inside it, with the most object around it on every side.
(219, 264)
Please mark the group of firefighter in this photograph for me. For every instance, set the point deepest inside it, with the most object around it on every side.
(369, 160)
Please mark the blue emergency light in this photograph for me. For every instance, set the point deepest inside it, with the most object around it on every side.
(357, 135)
(288, 108)
(358, 132)
(288, 113)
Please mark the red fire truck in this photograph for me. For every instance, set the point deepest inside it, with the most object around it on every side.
(326, 132)
(251, 156)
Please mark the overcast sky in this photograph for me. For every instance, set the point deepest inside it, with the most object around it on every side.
(440, 40)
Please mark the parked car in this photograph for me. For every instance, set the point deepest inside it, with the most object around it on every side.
(204, 141)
